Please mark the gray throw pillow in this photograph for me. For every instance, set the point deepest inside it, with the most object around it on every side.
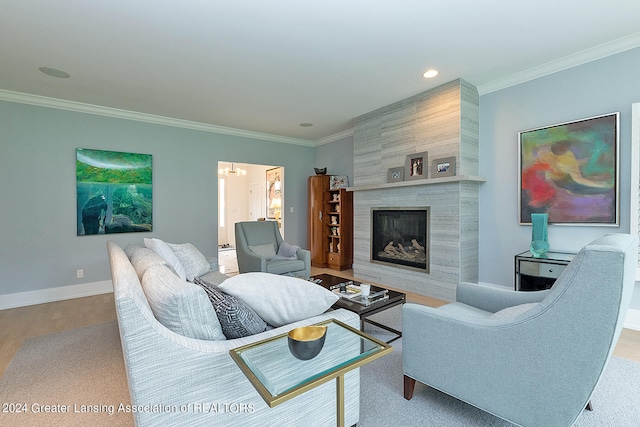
(236, 318)
(287, 251)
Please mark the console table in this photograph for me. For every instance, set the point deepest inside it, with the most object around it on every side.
(534, 274)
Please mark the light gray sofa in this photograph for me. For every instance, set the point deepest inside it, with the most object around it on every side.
(532, 358)
(195, 381)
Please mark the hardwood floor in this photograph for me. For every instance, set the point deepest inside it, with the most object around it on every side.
(21, 323)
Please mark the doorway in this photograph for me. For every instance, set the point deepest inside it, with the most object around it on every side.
(243, 196)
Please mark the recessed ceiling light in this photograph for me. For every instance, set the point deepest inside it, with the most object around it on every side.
(430, 73)
(306, 125)
(53, 72)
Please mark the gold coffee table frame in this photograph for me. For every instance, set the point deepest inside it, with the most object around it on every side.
(336, 372)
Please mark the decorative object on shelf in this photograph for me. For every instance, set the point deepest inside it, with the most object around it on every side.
(320, 171)
(114, 192)
(306, 342)
(231, 171)
(274, 193)
(570, 170)
(334, 219)
(539, 240)
(334, 231)
(415, 166)
(445, 166)
(336, 197)
(337, 181)
(395, 174)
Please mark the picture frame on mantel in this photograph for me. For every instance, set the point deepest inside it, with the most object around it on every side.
(445, 166)
(415, 166)
(395, 174)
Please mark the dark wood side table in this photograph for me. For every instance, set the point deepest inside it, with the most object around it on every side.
(534, 274)
(364, 311)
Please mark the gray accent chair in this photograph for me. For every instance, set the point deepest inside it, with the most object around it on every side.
(257, 233)
(534, 365)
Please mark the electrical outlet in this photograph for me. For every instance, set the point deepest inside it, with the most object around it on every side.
(80, 274)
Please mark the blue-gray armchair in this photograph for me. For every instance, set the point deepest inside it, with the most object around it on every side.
(259, 247)
(532, 358)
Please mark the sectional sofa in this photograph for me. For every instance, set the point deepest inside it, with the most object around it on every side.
(176, 379)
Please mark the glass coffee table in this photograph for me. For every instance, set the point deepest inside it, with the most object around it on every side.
(388, 298)
(278, 376)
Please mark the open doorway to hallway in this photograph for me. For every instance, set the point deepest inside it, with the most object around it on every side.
(246, 192)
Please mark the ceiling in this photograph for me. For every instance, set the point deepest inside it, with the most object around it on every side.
(268, 66)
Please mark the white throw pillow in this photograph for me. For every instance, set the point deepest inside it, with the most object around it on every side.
(144, 258)
(513, 311)
(267, 250)
(162, 249)
(195, 264)
(180, 306)
(279, 300)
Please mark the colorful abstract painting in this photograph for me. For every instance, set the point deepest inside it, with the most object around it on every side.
(570, 171)
(114, 192)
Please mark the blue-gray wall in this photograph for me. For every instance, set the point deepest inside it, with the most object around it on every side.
(608, 85)
(39, 248)
(337, 157)
(38, 244)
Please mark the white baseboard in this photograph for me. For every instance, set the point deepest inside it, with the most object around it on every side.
(633, 320)
(22, 299)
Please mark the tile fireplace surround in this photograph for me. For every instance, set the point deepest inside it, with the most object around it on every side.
(444, 122)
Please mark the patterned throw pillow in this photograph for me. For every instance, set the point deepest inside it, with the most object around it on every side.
(236, 318)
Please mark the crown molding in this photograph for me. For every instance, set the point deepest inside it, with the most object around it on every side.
(79, 107)
(335, 137)
(597, 52)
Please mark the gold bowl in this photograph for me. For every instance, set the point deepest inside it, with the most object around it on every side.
(306, 342)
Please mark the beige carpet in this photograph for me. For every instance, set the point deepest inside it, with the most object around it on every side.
(78, 371)
(83, 369)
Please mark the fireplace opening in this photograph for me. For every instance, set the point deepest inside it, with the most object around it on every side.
(400, 237)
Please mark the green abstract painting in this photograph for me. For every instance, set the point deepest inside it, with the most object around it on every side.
(114, 192)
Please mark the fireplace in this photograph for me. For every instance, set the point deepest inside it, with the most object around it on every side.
(400, 237)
